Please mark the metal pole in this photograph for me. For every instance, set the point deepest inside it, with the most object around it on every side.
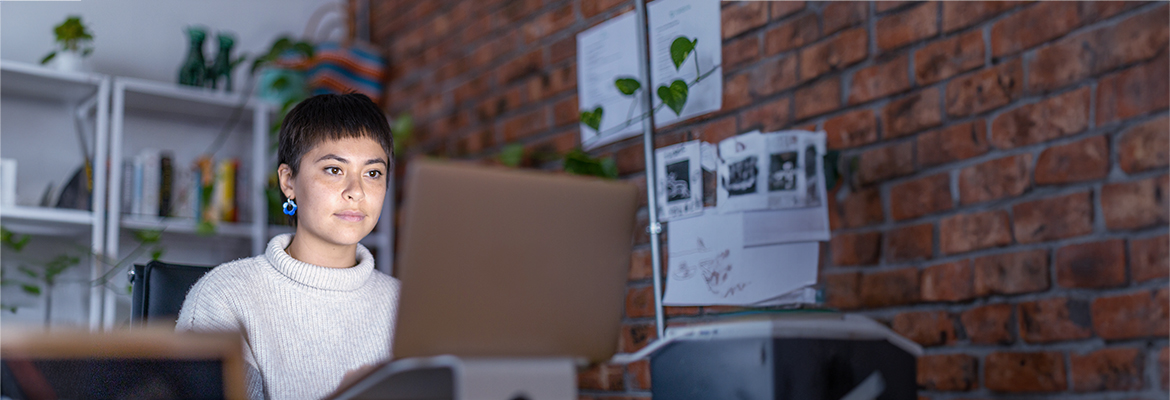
(648, 147)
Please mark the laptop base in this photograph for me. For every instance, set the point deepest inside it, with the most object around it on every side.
(455, 378)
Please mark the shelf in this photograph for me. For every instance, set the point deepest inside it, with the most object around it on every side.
(46, 220)
(184, 226)
(34, 81)
(184, 101)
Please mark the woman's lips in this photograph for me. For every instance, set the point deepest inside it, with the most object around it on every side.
(351, 216)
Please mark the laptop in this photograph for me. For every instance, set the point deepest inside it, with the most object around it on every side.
(502, 262)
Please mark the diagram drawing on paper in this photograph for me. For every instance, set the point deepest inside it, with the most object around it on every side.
(715, 268)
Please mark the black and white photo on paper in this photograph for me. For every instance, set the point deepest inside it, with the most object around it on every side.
(741, 176)
(782, 172)
(678, 184)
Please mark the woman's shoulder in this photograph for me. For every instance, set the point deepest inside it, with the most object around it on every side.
(243, 271)
(379, 280)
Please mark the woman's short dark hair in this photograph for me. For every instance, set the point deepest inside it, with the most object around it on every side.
(328, 117)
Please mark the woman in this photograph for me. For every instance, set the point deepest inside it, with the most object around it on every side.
(312, 307)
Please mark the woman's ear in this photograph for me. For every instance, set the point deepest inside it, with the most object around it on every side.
(284, 175)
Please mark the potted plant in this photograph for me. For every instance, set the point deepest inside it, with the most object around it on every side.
(73, 39)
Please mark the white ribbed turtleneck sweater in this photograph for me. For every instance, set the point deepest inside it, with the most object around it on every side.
(304, 326)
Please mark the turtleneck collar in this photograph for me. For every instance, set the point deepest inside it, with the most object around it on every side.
(316, 276)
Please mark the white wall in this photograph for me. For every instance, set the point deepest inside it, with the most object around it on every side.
(146, 38)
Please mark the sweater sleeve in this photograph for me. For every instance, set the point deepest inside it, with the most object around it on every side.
(205, 310)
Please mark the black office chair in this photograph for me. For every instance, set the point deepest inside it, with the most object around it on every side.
(159, 290)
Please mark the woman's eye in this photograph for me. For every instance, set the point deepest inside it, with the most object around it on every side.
(374, 173)
(333, 170)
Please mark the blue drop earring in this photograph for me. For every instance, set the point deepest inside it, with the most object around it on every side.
(290, 207)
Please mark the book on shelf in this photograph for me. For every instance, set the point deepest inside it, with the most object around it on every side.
(208, 191)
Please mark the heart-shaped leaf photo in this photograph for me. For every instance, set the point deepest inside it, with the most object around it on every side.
(675, 95)
(592, 119)
(680, 49)
(627, 86)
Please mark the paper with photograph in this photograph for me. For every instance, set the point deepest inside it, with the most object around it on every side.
(679, 177)
(607, 82)
(686, 54)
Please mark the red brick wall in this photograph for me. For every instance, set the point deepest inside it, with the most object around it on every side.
(1005, 202)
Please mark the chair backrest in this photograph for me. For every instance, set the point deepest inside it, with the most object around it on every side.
(159, 290)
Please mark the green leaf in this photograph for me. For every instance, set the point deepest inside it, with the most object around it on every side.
(205, 228)
(31, 289)
(156, 253)
(10, 239)
(28, 272)
(581, 163)
(627, 85)
(680, 49)
(512, 155)
(49, 57)
(403, 131)
(675, 95)
(148, 236)
(592, 119)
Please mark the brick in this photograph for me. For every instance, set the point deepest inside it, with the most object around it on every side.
(1091, 265)
(736, 91)
(922, 196)
(1134, 91)
(995, 179)
(857, 209)
(907, 27)
(566, 111)
(602, 377)
(842, 291)
(548, 84)
(886, 162)
(792, 34)
(833, 54)
(985, 90)
(513, 11)
(1062, 115)
(639, 371)
(948, 282)
(889, 288)
(1012, 273)
(773, 76)
(549, 23)
(1024, 372)
(1134, 315)
(949, 57)
(520, 67)
(550, 148)
(640, 302)
(966, 232)
(915, 242)
(672, 312)
(843, 14)
(631, 159)
(1107, 369)
(1091, 53)
(913, 113)
(592, 8)
(1093, 11)
(740, 52)
(474, 143)
(470, 90)
(1145, 147)
(948, 372)
(1033, 25)
(1149, 258)
(781, 9)
(767, 117)
(524, 125)
(640, 265)
(880, 80)
(883, 6)
(961, 14)
(953, 143)
(990, 324)
(712, 132)
(1053, 218)
(562, 50)
(742, 17)
(1079, 161)
(855, 248)
(1164, 363)
(1135, 205)
(1053, 320)
(820, 98)
(927, 328)
(636, 336)
(852, 129)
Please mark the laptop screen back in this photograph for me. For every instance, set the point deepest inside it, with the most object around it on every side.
(501, 262)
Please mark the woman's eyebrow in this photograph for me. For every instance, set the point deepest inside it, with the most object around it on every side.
(333, 157)
(376, 161)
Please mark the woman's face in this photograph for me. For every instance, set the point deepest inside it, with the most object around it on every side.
(339, 190)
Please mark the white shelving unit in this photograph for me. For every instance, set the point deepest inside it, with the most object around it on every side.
(185, 120)
(77, 94)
